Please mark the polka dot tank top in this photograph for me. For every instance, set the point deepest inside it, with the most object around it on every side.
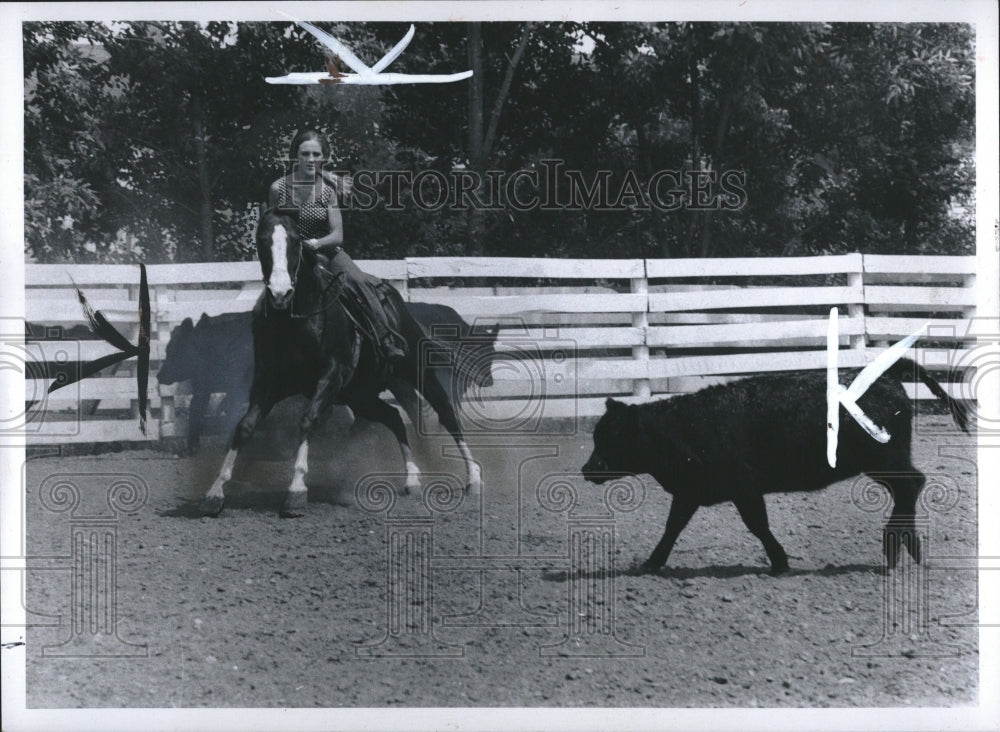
(313, 220)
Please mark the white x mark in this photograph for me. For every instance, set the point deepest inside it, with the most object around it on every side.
(837, 394)
(365, 74)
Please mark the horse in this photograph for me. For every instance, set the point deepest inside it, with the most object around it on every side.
(216, 356)
(305, 341)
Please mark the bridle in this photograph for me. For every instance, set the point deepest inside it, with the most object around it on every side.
(334, 280)
(339, 279)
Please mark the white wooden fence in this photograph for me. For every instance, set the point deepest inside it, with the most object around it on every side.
(572, 331)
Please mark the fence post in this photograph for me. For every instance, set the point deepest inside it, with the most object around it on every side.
(640, 354)
(857, 310)
(969, 283)
(133, 336)
(403, 285)
(162, 295)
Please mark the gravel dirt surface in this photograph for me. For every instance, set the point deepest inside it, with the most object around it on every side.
(251, 610)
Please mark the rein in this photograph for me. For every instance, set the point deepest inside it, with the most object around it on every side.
(295, 281)
(333, 280)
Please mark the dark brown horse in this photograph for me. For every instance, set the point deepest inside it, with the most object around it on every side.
(305, 342)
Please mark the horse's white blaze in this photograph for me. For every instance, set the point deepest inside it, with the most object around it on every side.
(301, 468)
(280, 281)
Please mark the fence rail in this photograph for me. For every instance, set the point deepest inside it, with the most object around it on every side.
(572, 332)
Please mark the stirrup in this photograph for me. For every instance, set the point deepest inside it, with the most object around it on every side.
(391, 351)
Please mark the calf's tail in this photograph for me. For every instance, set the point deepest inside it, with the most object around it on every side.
(905, 367)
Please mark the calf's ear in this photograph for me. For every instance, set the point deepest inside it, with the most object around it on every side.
(612, 405)
(203, 319)
(187, 324)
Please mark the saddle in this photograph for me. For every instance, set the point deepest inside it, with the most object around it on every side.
(360, 305)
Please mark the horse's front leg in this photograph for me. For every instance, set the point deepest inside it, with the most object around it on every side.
(327, 387)
(378, 411)
(212, 502)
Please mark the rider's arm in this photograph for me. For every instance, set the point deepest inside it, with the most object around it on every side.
(336, 235)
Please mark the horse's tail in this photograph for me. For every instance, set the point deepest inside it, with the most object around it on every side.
(906, 368)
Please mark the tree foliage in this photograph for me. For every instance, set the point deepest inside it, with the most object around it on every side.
(150, 140)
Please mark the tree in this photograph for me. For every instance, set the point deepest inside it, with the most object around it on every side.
(66, 87)
(149, 140)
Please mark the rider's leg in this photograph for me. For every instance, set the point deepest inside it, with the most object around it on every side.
(365, 284)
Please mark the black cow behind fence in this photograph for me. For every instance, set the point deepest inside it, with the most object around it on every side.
(766, 434)
(305, 342)
(216, 355)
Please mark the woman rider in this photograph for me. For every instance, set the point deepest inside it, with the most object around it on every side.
(319, 225)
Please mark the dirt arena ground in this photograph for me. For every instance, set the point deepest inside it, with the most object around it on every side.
(251, 610)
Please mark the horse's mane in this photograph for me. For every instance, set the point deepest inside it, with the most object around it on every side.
(278, 214)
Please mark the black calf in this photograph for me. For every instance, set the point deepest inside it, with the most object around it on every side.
(767, 434)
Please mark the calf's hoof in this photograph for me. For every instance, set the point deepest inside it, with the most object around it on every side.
(779, 569)
(295, 504)
(893, 539)
(211, 505)
(645, 568)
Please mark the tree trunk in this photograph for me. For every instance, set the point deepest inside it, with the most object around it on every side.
(480, 145)
(204, 185)
(695, 129)
(722, 125)
(476, 97)
(732, 98)
(508, 78)
(477, 162)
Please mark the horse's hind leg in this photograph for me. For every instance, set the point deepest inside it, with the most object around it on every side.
(211, 504)
(438, 398)
(378, 411)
